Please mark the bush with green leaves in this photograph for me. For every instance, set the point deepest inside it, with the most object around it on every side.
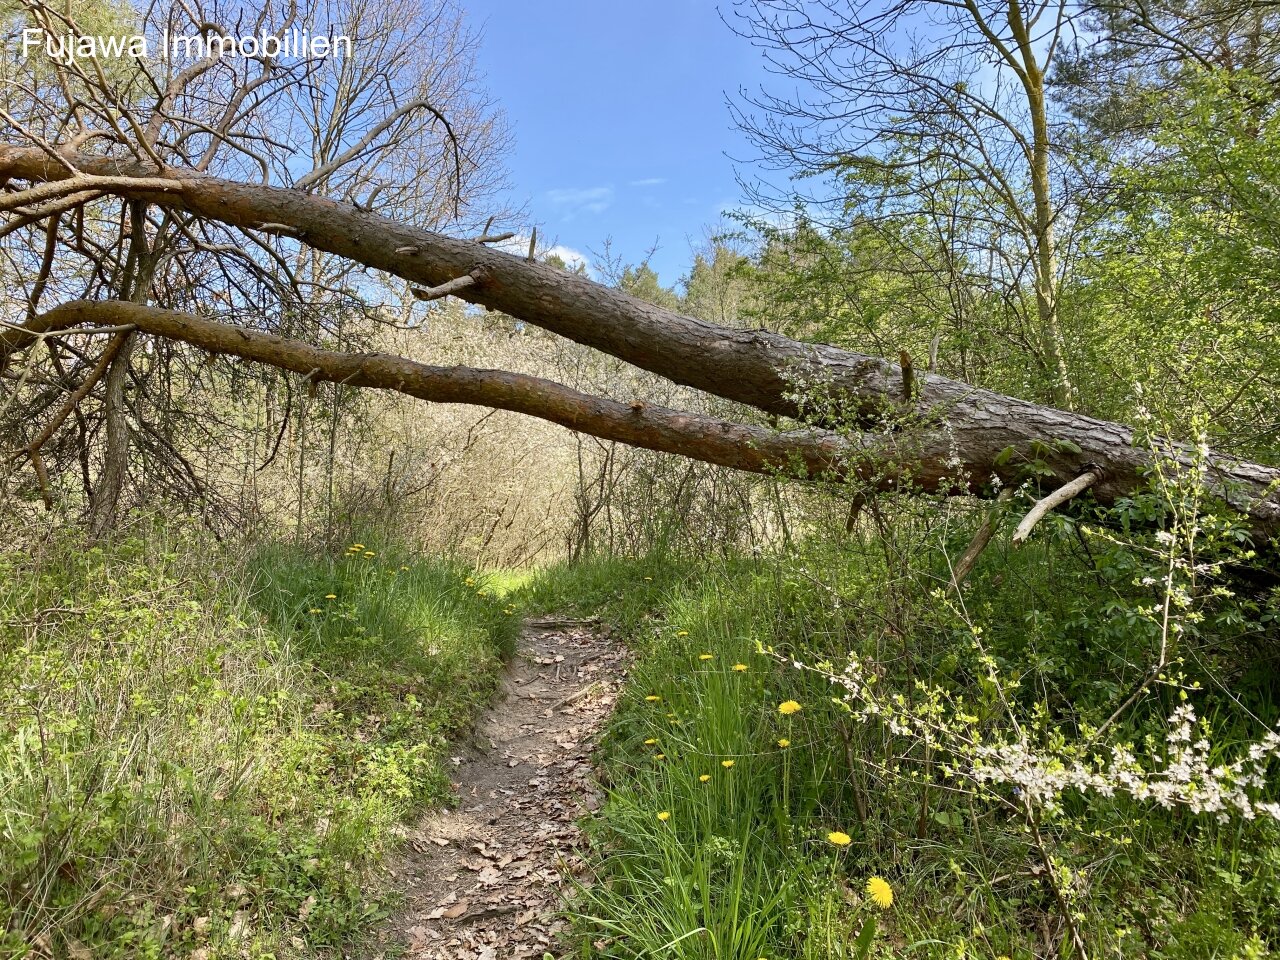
(735, 778)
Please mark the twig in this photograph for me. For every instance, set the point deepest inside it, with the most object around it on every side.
(575, 697)
(964, 566)
(283, 229)
(444, 289)
(1051, 877)
(1064, 493)
(99, 370)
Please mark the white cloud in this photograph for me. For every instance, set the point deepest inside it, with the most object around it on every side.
(571, 201)
(519, 245)
(570, 256)
(648, 182)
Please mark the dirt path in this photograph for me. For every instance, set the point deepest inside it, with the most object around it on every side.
(482, 881)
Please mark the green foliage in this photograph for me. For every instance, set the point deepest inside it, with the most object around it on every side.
(643, 282)
(190, 757)
(741, 865)
(1185, 291)
(98, 19)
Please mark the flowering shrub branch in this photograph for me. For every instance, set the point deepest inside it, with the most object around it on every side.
(1025, 761)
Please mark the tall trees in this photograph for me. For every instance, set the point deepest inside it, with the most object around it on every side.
(404, 125)
(1188, 265)
(1175, 104)
(228, 260)
(1130, 60)
(910, 108)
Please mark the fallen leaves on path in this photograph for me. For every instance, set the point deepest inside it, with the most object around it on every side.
(483, 881)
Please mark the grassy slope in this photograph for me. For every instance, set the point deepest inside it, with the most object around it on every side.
(742, 868)
(197, 754)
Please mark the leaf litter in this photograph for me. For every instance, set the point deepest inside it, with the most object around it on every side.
(484, 880)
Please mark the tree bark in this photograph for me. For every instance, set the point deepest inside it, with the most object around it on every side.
(1044, 253)
(135, 284)
(883, 461)
(962, 437)
(104, 506)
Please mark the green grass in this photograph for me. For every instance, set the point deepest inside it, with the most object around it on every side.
(742, 863)
(201, 753)
(208, 753)
(742, 867)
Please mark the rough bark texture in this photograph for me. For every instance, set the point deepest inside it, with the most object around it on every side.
(809, 452)
(105, 504)
(966, 428)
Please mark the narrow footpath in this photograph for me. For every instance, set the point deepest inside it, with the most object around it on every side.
(483, 880)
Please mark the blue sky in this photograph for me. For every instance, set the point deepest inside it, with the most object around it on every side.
(619, 117)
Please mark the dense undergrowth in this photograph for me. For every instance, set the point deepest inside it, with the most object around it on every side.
(748, 808)
(202, 755)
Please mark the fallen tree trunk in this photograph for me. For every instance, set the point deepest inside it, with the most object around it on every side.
(806, 452)
(975, 435)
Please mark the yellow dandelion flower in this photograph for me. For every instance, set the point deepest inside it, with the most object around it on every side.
(739, 668)
(331, 596)
(880, 892)
(314, 610)
(705, 777)
(653, 698)
(404, 569)
(788, 707)
(726, 764)
(648, 579)
(839, 839)
(470, 582)
(659, 756)
(784, 742)
(370, 553)
(650, 742)
(706, 656)
(356, 546)
(664, 816)
(682, 633)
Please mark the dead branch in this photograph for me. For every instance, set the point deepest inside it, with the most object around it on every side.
(1060, 496)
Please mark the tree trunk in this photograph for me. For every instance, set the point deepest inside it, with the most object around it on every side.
(105, 504)
(927, 456)
(951, 437)
(1044, 253)
(135, 285)
(1046, 261)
